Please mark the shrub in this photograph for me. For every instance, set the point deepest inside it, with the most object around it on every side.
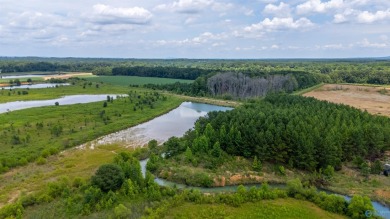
(108, 177)
(121, 211)
(358, 207)
(41, 161)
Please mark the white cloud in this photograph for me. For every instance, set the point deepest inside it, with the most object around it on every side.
(105, 14)
(38, 20)
(186, 6)
(316, 6)
(280, 10)
(366, 17)
(203, 38)
(194, 6)
(367, 44)
(276, 24)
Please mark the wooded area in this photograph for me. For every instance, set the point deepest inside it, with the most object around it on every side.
(300, 132)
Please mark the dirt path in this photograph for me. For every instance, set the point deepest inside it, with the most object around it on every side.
(376, 100)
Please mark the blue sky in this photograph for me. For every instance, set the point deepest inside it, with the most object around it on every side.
(195, 28)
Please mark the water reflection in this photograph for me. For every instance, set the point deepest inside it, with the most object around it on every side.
(35, 86)
(67, 100)
(174, 123)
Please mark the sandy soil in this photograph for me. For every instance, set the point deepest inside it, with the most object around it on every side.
(66, 76)
(376, 100)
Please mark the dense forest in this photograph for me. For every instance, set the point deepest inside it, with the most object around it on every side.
(375, 71)
(300, 132)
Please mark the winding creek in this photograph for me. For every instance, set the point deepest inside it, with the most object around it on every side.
(66, 100)
(176, 123)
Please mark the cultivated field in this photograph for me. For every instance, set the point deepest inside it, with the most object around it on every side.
(135, 80)
(374, 99)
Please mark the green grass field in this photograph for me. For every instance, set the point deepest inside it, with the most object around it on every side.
(134, 80)
(279, 208)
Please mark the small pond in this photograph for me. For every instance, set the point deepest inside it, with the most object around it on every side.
(174, 123)
(66, 100)
(35, 86)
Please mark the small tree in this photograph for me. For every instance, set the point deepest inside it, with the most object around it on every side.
(328, 172)
(365, 170)
(122, 212)
(105, 104)
(108, 177)
(257, 166)
(376, 167)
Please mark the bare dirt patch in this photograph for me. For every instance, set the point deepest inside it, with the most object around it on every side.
(66, 76)
(376, 100)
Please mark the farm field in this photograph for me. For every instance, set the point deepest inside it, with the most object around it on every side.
(280, 208)
(374, 99)
(134, 80)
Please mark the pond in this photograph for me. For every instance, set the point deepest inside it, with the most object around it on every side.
(66, 100)
(21, 76)
(174, 123)
(35, 86)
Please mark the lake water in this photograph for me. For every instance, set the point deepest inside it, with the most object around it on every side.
(35, 86)
(22, 76)
(174, 123)
(66, 100)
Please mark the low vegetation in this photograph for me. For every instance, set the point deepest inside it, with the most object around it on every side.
(33, 134)
(140, 196)
(135, 80)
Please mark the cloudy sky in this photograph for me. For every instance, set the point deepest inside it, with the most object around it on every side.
(195, 28)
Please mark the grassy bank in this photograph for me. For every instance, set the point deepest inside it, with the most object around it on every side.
(280, 208)
(56, 92)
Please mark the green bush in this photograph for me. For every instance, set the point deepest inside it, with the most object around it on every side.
(41, 161)
(358, 207)
(108, 177)
(12, 211)
(122, 212)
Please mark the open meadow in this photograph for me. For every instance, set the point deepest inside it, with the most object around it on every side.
(135, 80)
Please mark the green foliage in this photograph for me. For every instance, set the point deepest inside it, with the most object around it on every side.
(188, 155)
(358, 207)
(365, 170)
(108, 177)
(135, 80)
(329, 172)
(256, 165)
(376, 167)
(41, 160)
(282, 171)
(152, 145)
(12, 211)
(300, 132)
(122, 212)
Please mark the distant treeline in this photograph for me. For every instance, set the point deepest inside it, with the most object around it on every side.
(161, 72)
(238, 85)
(373, 71)
(297, 131)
